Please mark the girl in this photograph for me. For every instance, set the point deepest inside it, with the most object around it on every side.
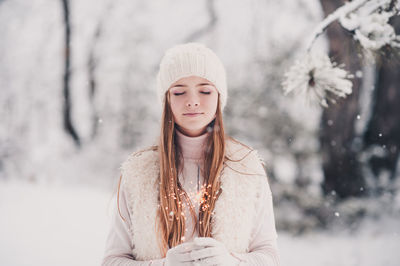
(199, 197)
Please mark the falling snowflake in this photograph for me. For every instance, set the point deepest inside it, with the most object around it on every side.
(318, 78)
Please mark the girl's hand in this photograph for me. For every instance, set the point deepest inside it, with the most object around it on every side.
(211, 252)
(180, 255)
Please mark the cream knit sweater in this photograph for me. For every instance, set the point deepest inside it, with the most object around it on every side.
(263, 247)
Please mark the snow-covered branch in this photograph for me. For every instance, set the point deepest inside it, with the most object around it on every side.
(371, 25)
(369, 21)
(319, 78)
(340, 12)
(316, 77)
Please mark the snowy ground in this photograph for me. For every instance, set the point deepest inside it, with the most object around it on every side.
(59, 225)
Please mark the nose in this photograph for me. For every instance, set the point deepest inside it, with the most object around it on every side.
(190, 104)
(192, 101)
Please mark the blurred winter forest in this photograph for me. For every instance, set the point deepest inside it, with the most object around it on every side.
(78, 94)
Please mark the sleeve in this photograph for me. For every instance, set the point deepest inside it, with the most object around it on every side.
(263, 248)
(118, 250)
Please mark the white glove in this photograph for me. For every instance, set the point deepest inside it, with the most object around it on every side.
(180, 255)
(211, 252)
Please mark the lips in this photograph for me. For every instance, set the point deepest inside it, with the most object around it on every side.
(192, 114)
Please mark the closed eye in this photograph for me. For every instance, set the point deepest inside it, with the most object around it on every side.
(206, 92)
(178, 93)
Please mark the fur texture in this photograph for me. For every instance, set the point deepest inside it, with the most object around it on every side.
(242, 179)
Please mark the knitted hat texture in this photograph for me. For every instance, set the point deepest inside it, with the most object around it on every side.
(191, 59)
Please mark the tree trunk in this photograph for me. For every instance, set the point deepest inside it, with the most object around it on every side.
(342, 172)
(384, 126)
(92, 65)
(68, 126)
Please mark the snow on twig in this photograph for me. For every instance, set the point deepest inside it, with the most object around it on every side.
(340, 12)
(318, 78)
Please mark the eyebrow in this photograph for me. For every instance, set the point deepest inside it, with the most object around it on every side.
(198, 85)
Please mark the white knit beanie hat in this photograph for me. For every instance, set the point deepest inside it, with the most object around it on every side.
(191, 59)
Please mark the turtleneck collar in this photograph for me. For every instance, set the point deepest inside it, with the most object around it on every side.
(191, 147)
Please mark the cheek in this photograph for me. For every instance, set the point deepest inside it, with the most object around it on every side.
(212, 103)
(175, 104)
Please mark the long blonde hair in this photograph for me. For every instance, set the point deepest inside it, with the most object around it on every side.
(171, 222)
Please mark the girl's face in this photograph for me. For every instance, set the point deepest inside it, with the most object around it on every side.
(193, 103)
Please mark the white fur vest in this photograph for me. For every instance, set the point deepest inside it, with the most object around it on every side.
(234, 212)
